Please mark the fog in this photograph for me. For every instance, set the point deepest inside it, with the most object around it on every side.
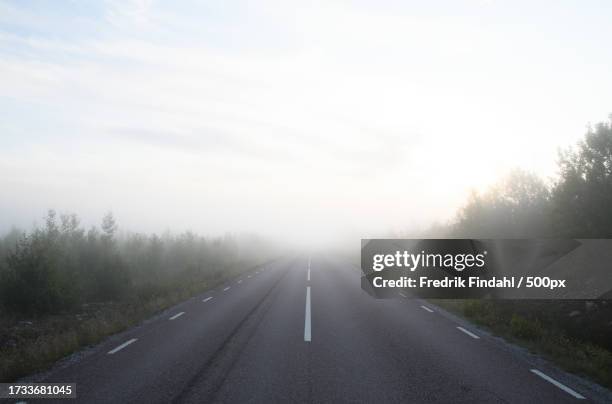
(308, 124)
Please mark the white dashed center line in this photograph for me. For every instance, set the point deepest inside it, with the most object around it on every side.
(308, 274)
(471, 334)
(402, 294)
(239, 281)
(176, 315)
(307, 316)
(248, 276)
(207, 299)
(427, 308)
(558, 384)
(120, 347)
(226, 289)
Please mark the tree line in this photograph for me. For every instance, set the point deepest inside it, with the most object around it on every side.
(577, 204)
(59, 266)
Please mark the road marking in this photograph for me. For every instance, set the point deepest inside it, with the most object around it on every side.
(308, 274)
(120, 347)
(207, 299)
(176, 315)
(471, 334)
(239, 280)
(558, 384)
(402, 294)
(226, 289)
(256, 272)
(248, 276)
(427, 308)
(307, 316)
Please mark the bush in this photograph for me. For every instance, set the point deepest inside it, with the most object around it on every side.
(529, 329)
(473, 308)
(33, 282)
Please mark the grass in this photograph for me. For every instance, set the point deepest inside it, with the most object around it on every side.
(574, 355)
(30, 346)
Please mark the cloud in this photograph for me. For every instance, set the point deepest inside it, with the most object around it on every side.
(300, 108)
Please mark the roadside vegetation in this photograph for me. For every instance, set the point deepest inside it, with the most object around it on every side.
(63, 287)
(577, 335)
(550, 329)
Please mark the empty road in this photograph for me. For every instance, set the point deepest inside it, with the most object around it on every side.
(302, 330)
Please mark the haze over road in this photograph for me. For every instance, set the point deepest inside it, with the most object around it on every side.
(302, 330)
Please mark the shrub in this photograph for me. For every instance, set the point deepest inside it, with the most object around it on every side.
(525, 328)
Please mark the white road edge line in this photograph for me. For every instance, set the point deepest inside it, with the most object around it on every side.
(558, 384)
(427, 308)
(176, 315)
(471, 334)
(402, 294)
(120, 347)
(207, 299)
(226, 289)
(307, 337)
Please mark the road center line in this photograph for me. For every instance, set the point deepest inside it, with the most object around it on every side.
(207, 299)
(307, 316)
(471, 334)
(427, 308)
(176, 315)
(248, 276)
(308, 274)
(239, 280)
(402, 294)
(226, 289)
(558, 384)
(120, 347)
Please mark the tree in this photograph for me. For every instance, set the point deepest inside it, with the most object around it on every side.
(35, 280)
(110, 272)
(515, 207)
(582, 198)
(109, 226)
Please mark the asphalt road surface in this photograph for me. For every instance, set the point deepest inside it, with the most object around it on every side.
(302, 330)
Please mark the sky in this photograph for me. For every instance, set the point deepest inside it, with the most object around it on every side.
(303, 121)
